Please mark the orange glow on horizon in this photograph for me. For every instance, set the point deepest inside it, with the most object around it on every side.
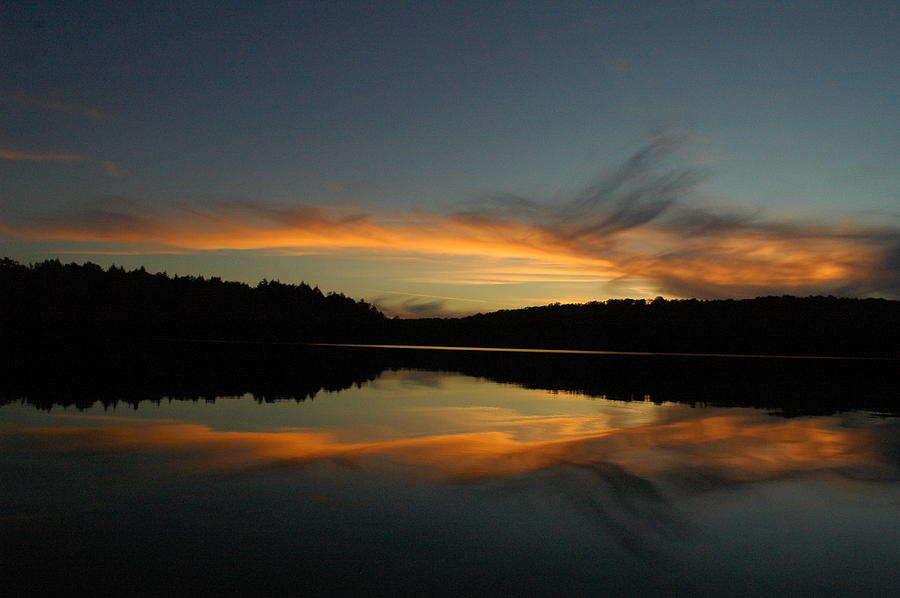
(732, 263)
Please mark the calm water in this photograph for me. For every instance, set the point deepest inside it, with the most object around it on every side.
(424, 482)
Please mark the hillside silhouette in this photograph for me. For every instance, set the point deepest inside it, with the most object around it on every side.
(51, 302)
(824, 326)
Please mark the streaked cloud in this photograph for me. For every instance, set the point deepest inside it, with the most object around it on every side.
(346, 186)
(643, 226)
(109, 167)
(15, 155)
(30, 100)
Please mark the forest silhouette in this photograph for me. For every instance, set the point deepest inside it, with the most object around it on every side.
(74, 335)
(51, 302)
(54, 302)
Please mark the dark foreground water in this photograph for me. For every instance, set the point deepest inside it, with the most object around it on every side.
(429, 480)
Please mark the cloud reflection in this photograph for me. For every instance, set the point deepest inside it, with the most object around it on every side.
(501, 443)
(618, 481)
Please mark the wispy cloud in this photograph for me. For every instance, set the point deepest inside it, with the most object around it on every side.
(403, 304)
(405, 294)
(109, 167)
(642, 226)
(112, 169)
(33, 157)
(47, 104)
(346, 186)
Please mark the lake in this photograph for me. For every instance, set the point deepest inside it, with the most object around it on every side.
(275, 470)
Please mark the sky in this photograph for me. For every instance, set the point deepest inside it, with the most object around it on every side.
(444, 158)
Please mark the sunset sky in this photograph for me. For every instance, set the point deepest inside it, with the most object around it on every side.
(455, 157)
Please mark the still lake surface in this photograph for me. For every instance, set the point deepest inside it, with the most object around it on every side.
(433, 481)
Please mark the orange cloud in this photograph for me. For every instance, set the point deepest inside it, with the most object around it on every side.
(747, 260)
(253, 227)
(30, 157)
(638, 227)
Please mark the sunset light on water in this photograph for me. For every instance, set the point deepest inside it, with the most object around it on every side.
(654, 489)
(345, 298)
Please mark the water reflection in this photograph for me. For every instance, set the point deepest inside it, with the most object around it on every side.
(60, 376)
(431, 483)
(502, 443)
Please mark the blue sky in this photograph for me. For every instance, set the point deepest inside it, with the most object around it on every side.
(125, 123)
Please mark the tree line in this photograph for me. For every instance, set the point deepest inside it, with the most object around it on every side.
(55, 302)
(783, 325)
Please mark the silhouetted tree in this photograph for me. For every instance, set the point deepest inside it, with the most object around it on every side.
(50, 301)
(53, 302)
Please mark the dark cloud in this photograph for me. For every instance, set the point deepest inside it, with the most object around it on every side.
(699, 221)
(105, 216)
(420, 308)
(888, 276)
(651, 194)
(109, 222)
(636, 193)
(406, 306)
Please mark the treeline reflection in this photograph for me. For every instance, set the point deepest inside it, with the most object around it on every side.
(70, 376)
